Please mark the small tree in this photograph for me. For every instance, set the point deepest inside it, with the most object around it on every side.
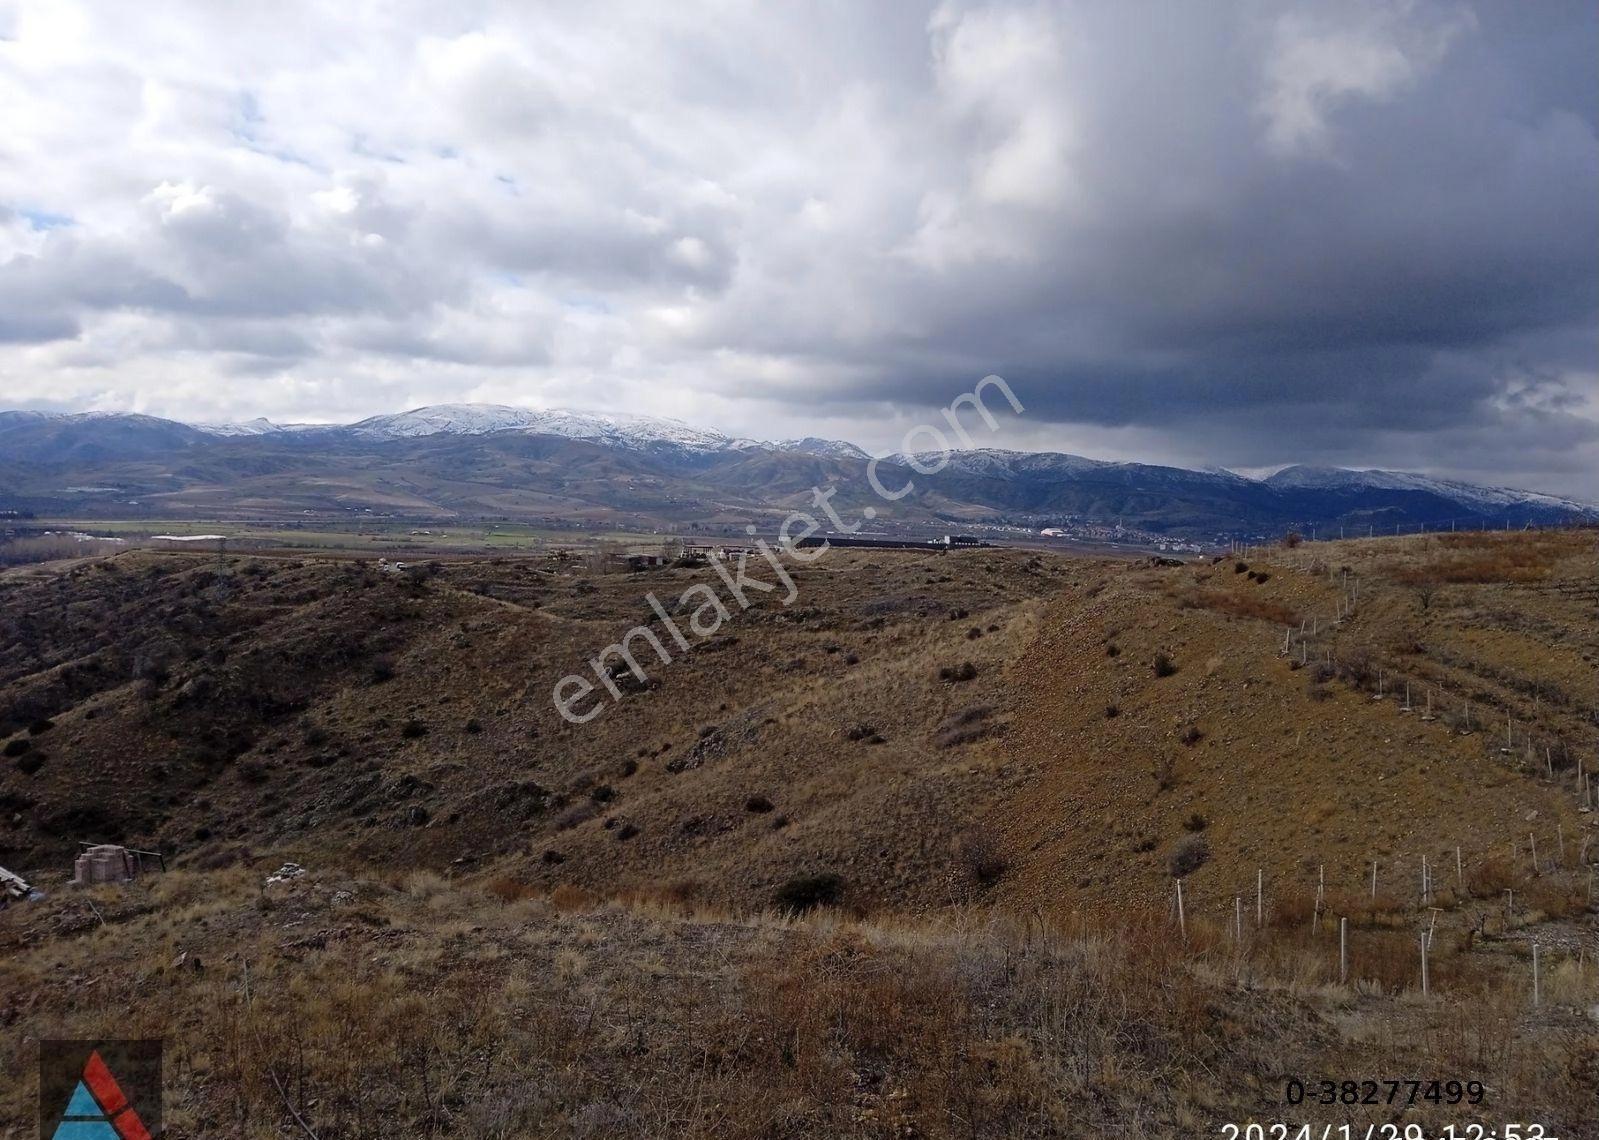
(1191, 853)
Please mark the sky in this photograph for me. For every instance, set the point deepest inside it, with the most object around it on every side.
(1240, 234)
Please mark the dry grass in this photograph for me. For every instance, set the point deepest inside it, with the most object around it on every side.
(983, 966)
(414, 1011)
(1486, 558)
(1241, 603)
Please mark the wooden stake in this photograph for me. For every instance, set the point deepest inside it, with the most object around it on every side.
(1343, 949)
(1424, 987)
(1536, 996)
(1182, 924)
(1460, 875)
(1260, 898)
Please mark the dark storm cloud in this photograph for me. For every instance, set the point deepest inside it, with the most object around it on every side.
(1372, 275)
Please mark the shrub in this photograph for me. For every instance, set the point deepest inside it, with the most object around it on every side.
(1196, 822)
(413, 728)
(862, 731)
(1240, 567)
(1112, 712)
(1191, 735)
(580, 812)
(602, 794)
(1164, 665)
(17, 747)
(566, 898)
(1292, 539)
(41, 726)
(807, 892)
(760, 805)
(382, 669)
(474, 726)
(966, 727)
(1113, 650)
(1190, 854)
(1239, 605)
(1356, 666)
(509, 890)
(625, 832)
(31, 763)
(980, 856)
(313, 733)
(954, 674)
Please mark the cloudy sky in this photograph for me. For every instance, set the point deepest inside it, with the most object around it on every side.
(1242, 234)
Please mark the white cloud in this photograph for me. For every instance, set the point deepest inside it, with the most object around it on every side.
(1370, 51)
(779, 218)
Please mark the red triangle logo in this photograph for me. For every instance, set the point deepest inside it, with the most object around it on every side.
(111, 1099)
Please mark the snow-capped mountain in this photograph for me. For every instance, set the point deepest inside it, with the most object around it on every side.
(686, 465)
(827, 448)
(1301, 477)
(618, 429)
(258, 426)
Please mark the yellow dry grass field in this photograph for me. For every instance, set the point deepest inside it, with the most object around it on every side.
(899, 858)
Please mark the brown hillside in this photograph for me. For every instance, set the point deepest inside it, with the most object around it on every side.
(878, 863)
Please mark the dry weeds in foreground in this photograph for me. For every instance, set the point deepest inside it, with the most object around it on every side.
(424, 1008)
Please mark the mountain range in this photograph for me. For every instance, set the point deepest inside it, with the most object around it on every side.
(475, 461)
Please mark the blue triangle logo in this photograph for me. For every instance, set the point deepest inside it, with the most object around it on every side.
(86, 1130)
(84, 1119)
(83, 1103)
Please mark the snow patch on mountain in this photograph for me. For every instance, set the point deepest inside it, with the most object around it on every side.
(1302, 477)
(619, 429)
(258, 426)
(827, 448)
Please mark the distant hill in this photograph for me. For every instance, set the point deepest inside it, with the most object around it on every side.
(475, 461)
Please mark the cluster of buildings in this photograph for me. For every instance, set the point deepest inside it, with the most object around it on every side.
(1117, 534)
